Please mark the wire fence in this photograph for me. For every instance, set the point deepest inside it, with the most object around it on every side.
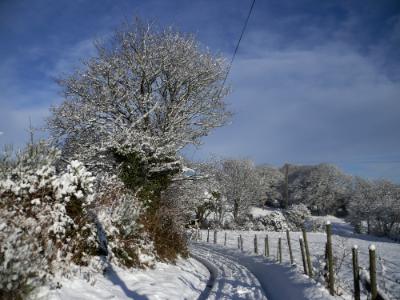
(387, 271)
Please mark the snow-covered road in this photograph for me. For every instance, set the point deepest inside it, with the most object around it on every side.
(241, 276)
(231, 279)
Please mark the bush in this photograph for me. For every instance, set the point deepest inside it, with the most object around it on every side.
(293, 218)
(50, 225)
(160, 214)
(46, 224)
(296, 216)
(275, 221)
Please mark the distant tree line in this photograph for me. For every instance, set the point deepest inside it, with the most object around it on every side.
(228, 188)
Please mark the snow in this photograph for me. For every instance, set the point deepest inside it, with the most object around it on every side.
(185, 280)
(242, 276)
(232, 279)
(387, 253)
(188, 171)
(234, 275)
(339, 226)
(35, 201)
(260, 212)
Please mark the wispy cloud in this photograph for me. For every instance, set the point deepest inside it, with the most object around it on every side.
(24, 99)
(70, 58)
(325, 104)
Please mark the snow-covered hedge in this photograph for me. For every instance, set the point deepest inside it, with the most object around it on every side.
(119, 225)
(292, 218)
(297, 215)
(44, 220)
(53, 220)
(273, 221)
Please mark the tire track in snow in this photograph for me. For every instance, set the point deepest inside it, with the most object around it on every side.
(231, 279)
(205, 294)
(238, 270)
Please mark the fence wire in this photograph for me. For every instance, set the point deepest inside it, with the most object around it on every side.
(388, 271)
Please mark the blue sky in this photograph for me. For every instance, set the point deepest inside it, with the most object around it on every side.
(313, 81)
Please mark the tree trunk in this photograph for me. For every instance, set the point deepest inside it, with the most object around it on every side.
(368, 226)
(235, 211)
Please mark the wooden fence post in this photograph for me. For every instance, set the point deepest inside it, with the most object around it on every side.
(280, 250)
(238, 242)
(330, 258)
(255, 244)
(225, 239)
(356, 273)
(372, 272)
(241, 243)
(290, 246)
(208, 234)
(303, 255)
(326, 268)
(215, 236)
(309, 263)
(266, 246)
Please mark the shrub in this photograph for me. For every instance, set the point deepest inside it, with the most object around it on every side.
(124, 238)
(275, 221)
(149, 180)
(45, 219)
(296, 215)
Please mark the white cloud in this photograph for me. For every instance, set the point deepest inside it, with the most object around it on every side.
(328, 103)
(71, 57)
(23, 100)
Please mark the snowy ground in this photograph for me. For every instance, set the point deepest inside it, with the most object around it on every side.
(261, 212)
(185, 280)
(232, 279)
(234, 275)
(242, 276)
(388, 253)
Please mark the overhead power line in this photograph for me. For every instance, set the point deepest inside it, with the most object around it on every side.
(238, 43)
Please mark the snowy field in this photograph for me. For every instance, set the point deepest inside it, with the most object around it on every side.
(185, 280)
(388, 253)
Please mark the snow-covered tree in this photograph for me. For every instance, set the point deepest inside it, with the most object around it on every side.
(216, 203)
(272, 180)
(323, 188)
(377, 203)
(129, 110)
(198, 194)
(361, 204)
(241, 185)
(148, 93)
(387, 210)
